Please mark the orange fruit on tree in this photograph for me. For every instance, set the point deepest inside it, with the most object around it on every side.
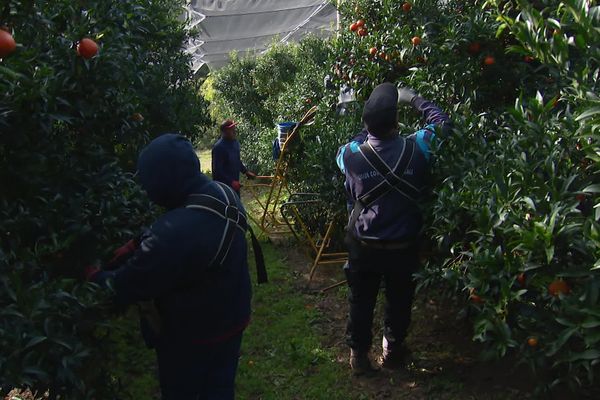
(474, 48)
(373, 51)
(528, 59)
(360, 23)
(489, 60)
(475, 298)
(406, 7)
(137, 117)
(353, 27)
(559, 286)
(532, 341)
(382, 55)
(416, 41)
(7, 44)
(362, 32)
(87, 48)
(521, 279)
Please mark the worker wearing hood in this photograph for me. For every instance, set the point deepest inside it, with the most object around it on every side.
(197, 311)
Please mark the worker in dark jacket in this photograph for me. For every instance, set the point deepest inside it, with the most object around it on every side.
(226, 162)
(386, 177)
(199, 306)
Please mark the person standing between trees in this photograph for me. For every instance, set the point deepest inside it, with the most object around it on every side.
(226, 161)
(190, 273)
(386, 177)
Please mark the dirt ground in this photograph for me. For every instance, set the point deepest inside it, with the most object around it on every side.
(446, 362)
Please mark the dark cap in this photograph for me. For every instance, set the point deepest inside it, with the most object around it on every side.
(228, 123)
(380, 110)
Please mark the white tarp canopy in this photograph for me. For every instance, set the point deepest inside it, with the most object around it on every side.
(249, 26)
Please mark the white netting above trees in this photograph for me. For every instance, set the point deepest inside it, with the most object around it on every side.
(249, 26)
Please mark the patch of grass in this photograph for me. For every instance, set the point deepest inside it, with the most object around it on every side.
(134, 370)
(205, 160)
(282, 353)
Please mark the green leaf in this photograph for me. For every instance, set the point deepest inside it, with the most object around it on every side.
(591, 323)
(591, 354)
(588, 114)
(34, 341)
(595, 188)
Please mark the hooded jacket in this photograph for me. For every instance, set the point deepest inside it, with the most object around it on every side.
(197, 303)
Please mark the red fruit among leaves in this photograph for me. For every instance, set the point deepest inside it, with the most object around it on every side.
(559, 286)
(87, 48)
(7, 44)
(474, 48)
(489, 60)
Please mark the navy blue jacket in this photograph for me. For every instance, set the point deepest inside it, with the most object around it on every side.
(392, 217)
(197, 304)
(226, 162)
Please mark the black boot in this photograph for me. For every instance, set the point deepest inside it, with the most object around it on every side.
(361, 363)
(395, 356)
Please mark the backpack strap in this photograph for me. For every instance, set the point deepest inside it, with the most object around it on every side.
(392, 179)
(234, 219)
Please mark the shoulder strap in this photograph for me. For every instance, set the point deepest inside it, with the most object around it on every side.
(392, 179)
(234, 219)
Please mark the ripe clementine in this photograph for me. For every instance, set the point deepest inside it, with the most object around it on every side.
(474, 48)
(137, 117)
(416, 41)
(532, 341)
(362, 32)
(382, 55)
(7, 44)
(373, 51)
(353, 27)
(559, 286)
(489, 60)
(475, 298)
(360, 23)
(406, 7)
(521, 279)
(528, 59)
(87, 48)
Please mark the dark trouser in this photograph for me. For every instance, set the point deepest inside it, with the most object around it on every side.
(367, 266)
(204, 372)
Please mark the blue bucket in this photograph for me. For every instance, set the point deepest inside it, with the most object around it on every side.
(283, 128)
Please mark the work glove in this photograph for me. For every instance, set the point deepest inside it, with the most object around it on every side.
(236, 185)
(250, 174)
(406, 95)
(123, 251)
(90, 272)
